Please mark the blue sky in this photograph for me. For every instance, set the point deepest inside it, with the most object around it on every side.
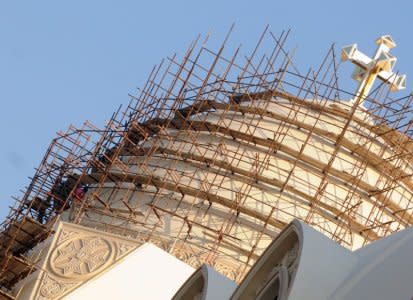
(63, 62)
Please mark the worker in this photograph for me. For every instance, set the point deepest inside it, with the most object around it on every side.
(103, 160)
(39, 206)
(61, 191)
(80, 192)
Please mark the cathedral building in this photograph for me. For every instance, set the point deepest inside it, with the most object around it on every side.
(227, 177)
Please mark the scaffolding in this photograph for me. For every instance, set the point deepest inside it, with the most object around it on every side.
(31, 219)
(219, 152)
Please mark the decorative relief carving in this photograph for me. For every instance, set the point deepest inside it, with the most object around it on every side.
(164, 245)
(181, 253)
(80, 257)
(51, 288)
(123, 249)
(66, 234)
(189, 255)
(196, 260)
(76, 255)
(196, 257)
(288, 262)
(226, 268)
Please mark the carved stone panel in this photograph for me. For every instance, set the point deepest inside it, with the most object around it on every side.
(81, 257)
(76, 255)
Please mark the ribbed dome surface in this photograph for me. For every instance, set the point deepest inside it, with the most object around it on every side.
(218, 181)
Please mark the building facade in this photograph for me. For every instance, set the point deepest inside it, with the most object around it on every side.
(213, 159)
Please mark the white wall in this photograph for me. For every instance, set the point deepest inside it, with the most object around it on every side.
(146, 273)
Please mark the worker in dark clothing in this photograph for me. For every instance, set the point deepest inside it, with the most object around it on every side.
(60, 192)
(103, 160)
(39, 206)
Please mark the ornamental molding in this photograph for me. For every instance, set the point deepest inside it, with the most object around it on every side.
(81, 257)
(76, 255)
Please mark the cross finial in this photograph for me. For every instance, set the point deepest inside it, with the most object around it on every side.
(368, 69)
